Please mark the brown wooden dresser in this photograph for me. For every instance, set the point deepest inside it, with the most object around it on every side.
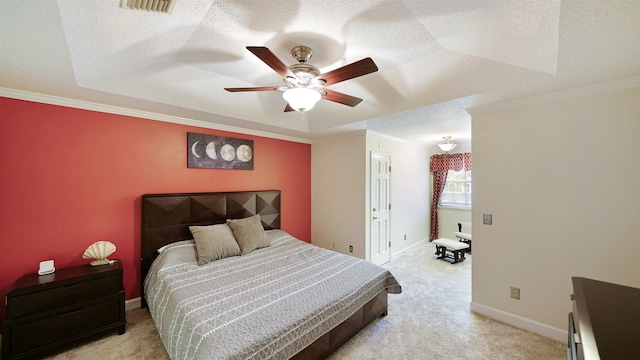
(45, 313)
(605, 322)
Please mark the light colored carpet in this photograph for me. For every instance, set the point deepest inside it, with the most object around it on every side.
(429, 320)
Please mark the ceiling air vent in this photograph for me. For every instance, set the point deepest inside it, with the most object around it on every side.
(162, 6)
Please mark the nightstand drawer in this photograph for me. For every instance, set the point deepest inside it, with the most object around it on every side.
(94, 315)
(48, 299)
(45, 313)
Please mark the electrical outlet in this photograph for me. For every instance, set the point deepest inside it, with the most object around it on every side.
(350, 248)
(487, 219)
(405, 236)
(515, 293)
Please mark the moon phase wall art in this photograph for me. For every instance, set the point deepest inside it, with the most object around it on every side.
(219, 152)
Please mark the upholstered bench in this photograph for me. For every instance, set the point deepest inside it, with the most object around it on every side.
(465, 238)
(450, 250)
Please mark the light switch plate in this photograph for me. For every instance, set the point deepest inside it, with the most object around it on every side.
(487, 219)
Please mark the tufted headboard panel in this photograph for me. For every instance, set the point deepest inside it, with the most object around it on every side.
(166, 217)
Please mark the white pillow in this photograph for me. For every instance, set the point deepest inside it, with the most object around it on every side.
(183, 242)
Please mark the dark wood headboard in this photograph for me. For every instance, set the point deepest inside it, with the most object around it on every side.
(166, 217)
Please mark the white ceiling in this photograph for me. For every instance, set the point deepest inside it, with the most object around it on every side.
(436, 58)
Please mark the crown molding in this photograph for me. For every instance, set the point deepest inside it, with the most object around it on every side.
(393, 138)
(86, 105)
(346, 134)
(559, 95)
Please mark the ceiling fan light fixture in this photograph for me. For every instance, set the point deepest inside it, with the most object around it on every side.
(161, 6)
(301, 99)
(446, 145)
(304, 82)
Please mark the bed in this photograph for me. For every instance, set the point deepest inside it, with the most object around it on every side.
(287, 299)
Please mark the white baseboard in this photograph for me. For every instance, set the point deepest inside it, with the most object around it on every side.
(399, 253)
(520, 322)
(132, 304)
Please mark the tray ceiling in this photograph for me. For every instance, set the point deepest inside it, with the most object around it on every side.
(435, 58)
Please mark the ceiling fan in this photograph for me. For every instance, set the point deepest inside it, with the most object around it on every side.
(305, 85)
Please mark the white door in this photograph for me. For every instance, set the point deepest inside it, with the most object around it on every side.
(380, 208)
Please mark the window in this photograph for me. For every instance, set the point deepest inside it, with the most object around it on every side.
(459, 196)
(457, 190)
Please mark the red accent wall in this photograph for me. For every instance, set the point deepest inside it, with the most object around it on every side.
(70, 177)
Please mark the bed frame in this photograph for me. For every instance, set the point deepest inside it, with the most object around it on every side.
(166, 218)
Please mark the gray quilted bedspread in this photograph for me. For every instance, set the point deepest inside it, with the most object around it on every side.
(268, 304)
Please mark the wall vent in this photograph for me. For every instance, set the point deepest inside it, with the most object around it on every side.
(162, 6)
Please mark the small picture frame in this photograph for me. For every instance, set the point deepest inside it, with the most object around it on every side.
(219, 152)
(46, 267)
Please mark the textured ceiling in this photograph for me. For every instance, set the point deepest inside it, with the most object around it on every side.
(436, 58)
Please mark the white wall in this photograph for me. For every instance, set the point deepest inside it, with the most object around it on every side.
(562, 182)
(410, 184)
(340, 192)
(448, 220)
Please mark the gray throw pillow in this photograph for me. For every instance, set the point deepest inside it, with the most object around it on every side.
(249, 233)
(214, 242)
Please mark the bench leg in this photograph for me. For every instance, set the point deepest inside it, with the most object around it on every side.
(452, 256)
(468, 242)
(462, 255)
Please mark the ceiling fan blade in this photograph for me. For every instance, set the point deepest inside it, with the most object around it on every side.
(288, 108)
(341, 98)
(262, 88)
(271, 59)
(353, 70)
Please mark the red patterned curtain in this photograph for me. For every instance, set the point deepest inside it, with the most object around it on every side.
(440, 166)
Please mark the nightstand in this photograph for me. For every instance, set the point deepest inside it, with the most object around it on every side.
(45, 313)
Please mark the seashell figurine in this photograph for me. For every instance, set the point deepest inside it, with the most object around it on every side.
(99, 251)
